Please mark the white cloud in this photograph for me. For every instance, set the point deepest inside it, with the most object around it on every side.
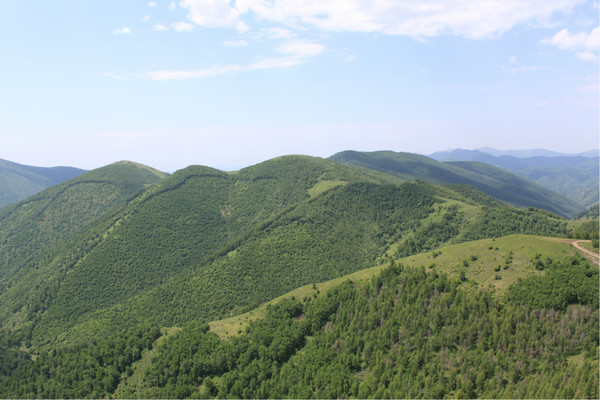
(584, 44)
(145, 19)
(234, 43)
(301, 49)
(419, 19)
(122, 31)
(182, 75)
(172, 6)
(152, 4)
(182, 26)
(292, 53)
(214, 14)
(586, 55)
(160, 27)
(579, 41)
(524, 69)
(277, 33)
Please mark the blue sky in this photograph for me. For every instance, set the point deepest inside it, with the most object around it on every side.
(232, 83)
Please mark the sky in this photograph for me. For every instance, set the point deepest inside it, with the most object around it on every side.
(231, 83)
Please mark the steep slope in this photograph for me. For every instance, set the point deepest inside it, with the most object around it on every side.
(493, 181)
(175, 224)
(203, 243)
(339, 231)
(35, 231)
(18, 182)
(399, 333)
(575, 177)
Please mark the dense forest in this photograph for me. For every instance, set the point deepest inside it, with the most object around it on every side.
(108, 283)
(405, 333)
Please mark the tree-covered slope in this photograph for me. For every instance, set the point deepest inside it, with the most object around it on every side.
(18, 182)
(344, 229)
(495, 182)
(55, 214)
(202, 244)
(405, 333)
(173, 225)
(36, 233)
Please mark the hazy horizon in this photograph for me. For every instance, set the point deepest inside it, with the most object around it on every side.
(232, 83)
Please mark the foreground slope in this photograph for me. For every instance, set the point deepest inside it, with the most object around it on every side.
(18, 181)
(405, 333)
(401, 332)
(495, 182)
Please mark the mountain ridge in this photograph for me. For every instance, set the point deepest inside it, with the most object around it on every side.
(574, 176)
(501, 184)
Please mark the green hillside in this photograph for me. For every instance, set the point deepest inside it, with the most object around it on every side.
(347, 228)
(173, 226)
(39, 236)
(354, 341)
(496, 182)
(18, 182)
(517, 256)
(107, 260)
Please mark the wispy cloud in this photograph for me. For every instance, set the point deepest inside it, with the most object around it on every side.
(179, 26)
(122, 31)
(234, 43)
(214, 14)
(183, 75)
(291, 54)
(583, 44)
(182, 26)
(516, 70)
(152, 4)
(145, 19)
(422, 19)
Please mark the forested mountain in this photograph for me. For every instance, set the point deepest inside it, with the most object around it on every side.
(94, 268)
(496, 182)
(574, 176)
(18, 182)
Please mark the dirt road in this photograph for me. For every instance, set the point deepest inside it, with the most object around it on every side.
(594, 257)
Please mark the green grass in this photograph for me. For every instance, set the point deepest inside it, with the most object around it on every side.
(483, 269)
(133, 385)
(450, 260)
(325, 185)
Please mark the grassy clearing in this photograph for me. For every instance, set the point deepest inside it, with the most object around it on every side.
(132, 386)
(488, 254)
(323, 186)
(588, 245)
(481, 259)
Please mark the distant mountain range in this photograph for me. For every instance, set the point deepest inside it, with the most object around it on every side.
(491, 180)
(571, 178)
(572, 175)
(18, 182)
(536, 153)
